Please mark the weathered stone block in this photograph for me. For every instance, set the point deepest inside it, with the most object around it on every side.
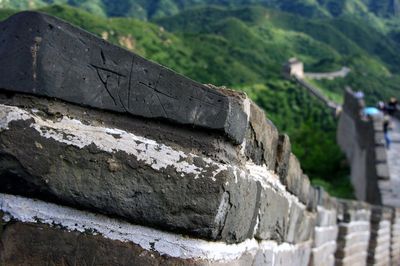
(306, 192)
(324, 235)
(56, 59)
(47, 215)
(382, 171)
(350, 251)
(350, 211)
(283, 156)
(326, 217)
(33, 244)
(380, 154)
(293, 179)
(312, 201)
(262, 144)
(323, 255)
(265, 254)
(347, 229)
(352, 240)
(75, 160)
(294, 255)
(301, 224)
(274, 215)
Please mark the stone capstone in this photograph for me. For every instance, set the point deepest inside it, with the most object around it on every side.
(56, 59)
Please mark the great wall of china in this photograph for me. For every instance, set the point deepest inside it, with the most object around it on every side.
(109, 159)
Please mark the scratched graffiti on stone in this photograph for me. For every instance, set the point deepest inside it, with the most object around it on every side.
(75, 66)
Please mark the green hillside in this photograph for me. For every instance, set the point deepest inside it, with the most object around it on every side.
(158, 8)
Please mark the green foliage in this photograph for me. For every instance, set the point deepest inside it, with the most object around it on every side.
(371, 10)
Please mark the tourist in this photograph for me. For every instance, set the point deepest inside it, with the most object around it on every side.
(386, 125)
(391, 107)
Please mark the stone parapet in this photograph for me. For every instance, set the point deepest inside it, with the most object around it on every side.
(361, 138)
(109, 159)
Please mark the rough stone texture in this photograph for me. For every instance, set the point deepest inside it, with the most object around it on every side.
(274, 216)
(324, 235)
(380, 237)
(261, 139)
(301, 224)
(293, 178)
(354, 232)
(117, 172)
(271, 254)
(56, 59)
(55, 246)
(283, 155)
(323, 255)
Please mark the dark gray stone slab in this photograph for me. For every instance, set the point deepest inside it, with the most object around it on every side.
(283, 156)
(305, 190)
(294, 177)
(38, 244)
(43, 55)
(312, 201)
(96, 171)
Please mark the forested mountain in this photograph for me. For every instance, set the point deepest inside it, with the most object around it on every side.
(157, 8)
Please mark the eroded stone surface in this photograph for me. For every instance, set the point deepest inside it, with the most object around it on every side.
(274, 216)
(116, 172)
(35, 244)
(56, 59)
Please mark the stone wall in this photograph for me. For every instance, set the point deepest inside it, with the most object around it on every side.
(380, 236)
(325, 231)
(395, 242)
(361, 139)
(354, 233)
(203, 178)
